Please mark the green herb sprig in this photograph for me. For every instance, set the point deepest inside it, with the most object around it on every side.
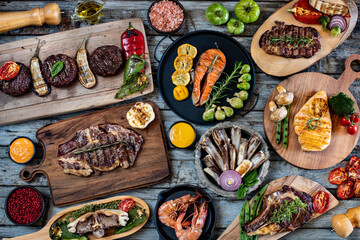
(79, 151)
(296, 41)
(219, 89)
(286, 211)
(249, 180)
(56, 68)
(312, 126)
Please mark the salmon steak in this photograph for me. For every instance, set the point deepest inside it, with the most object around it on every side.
(316, 139)
(208, 70)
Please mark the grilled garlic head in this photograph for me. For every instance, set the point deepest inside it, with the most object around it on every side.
(140, 115)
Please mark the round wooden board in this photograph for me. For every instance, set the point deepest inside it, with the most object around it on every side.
(43, 234)
(304, 86)
(281, 66)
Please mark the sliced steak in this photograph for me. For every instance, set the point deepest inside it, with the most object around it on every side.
(106, 60)
(66, 76)
(285, 40)
(20, 84)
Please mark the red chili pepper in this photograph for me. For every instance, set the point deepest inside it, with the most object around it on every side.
(133, 42)
(9, 70)
(304, 12)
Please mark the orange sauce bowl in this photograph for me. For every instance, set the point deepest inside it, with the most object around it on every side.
(21, 150)
(182, 131)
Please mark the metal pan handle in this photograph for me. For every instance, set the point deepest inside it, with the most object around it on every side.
(252, 108)
(157, 45)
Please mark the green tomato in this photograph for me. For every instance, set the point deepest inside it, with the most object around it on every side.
(235, 26)
(217, 14)
(244, 86)
(247, 11)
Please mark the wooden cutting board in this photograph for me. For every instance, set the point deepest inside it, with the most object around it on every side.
(304, 86)
(297, 182)
(151, 165)
(43, 234)
(280, 66)
(74, 97)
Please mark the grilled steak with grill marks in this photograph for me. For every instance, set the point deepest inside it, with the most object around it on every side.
(99, 148)
(106, 60)
(290, 41)
(261, 225)
(66, 76)
(19, 85)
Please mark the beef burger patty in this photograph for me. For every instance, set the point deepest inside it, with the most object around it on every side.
(106, 60)
(66, 76)
(20, 84)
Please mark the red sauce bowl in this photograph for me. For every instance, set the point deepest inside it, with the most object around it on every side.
(24, 196)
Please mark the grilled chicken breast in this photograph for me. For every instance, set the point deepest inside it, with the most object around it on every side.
(319, 138)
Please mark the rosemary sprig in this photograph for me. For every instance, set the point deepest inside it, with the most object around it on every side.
(296, 40)
(219, 89)
(101, 147)
(91, 208)
(286, 210)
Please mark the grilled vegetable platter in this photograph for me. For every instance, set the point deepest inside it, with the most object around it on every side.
(74, 70)
(315, 131)
(111, 218)
(301, 33)
(206, 77)
(231, 159)
(298, 200)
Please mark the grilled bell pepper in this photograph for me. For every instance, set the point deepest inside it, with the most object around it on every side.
(305, 13)
(134, 64)
(9, 70)
(136, 83)
(133, 42)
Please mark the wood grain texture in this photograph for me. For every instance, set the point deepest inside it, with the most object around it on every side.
(151, 165)
(297, 182)
(304, 86)
(43, 234)
(74, 97)
(281, 66)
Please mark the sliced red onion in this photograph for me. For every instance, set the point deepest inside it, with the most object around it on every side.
(338, 21)
(230, 180)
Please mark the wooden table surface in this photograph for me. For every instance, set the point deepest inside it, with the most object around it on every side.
(182, 161)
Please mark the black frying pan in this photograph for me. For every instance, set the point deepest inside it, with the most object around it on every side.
(202, 40)
(167, 233)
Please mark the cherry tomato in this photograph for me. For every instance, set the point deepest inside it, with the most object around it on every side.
(355, 117)
(126, 204)
(338, 176)
(345, 121)
(321, 202)
(354, 174)
(9, 70)
(351, 129)
(357, 189)
(345, 190)
(354, 162)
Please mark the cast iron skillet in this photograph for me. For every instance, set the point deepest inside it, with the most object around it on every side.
(202, 40)
(167, 233)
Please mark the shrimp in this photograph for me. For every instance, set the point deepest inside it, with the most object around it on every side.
(197, 223)
(168, 211)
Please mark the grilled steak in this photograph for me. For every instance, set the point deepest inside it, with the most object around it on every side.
(290, 41)
(106, 60)
(99, 148)
(20, 84)
(273, 201)
(66, 76)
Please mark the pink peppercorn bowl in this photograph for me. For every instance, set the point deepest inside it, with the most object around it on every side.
(42, 200)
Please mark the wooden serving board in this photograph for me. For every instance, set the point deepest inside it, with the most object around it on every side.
(43, 234)
(74, 97)
(151, 165)
(281, 66)
(304, 86)
(297, 182)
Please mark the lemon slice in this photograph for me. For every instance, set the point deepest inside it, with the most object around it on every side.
(188, 50)
(180, 77)
(183, 62)
(318, 107)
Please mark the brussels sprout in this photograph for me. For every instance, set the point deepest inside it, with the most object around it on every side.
(243, 95)
(246, 77)
(235, 102)
(219, 114)
(245, 69)
(228, 111)
(208, 115)
(244, 86)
